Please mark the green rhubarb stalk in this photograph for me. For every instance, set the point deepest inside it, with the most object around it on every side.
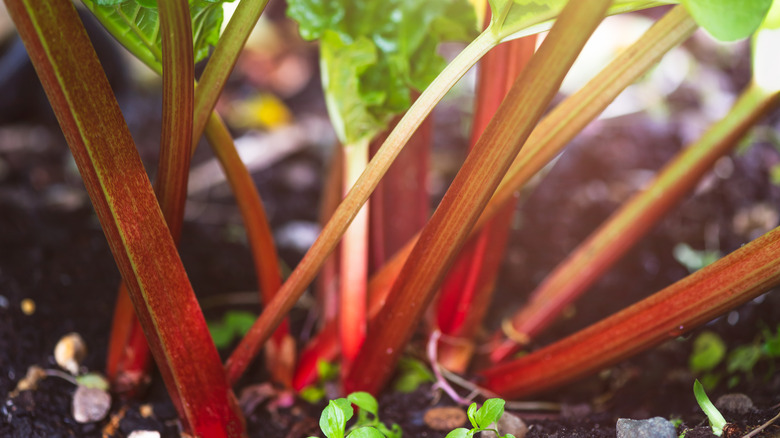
(711, 291)
(626, 226)
(129, 214)
(448, 229)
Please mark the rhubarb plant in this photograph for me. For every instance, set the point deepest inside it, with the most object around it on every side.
(374, 55)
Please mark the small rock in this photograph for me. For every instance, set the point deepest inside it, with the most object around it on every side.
(445, 418)
(653, 428)
(90, 404)
(144, 434)
(735, 403)
(508, 423)
(70, 351)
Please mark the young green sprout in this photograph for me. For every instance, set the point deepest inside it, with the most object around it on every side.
(481, 419)
(717, 422)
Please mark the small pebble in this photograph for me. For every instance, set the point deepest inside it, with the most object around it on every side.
(70, 352)
(445, 418)
(28, 306)
(146, 410)
(508, 423)
(735, 403)
(656, 427)
(90, 404)
(144, 434)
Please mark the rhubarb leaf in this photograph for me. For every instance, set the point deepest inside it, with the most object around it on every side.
(373, 52)
(728, 20)
(136, 25)
(516, 18)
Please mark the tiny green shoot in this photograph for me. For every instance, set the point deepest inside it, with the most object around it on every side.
(717, 422)
(335, 416)
(481, 419)
(234, 324)
(412, 373)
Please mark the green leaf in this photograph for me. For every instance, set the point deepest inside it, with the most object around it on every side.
(728, 20)
(771, 345)
(366, 432)
(135, 23)
(692, 259)
(374, 51)
(344, 61)
(743, 358)
(364, 401)
(234, 324)
(312, 393)
(717, 422)
(327, 371)
(333, 420)
(412, 374)
(93, 380)
(490, 412)
(516, 18)
(460, 432)
(316, 16)
(471, 413)
(708, 352)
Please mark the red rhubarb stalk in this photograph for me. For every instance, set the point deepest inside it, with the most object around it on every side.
(467, 290)
(129, 213)
(626, 226)
(447, 230)
(681, 307)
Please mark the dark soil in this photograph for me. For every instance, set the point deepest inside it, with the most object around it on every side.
(53, 252)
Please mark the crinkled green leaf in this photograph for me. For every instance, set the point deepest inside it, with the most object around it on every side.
(400, 35)
(490, 412)
(343, 63)
(728, 20)
(135, 23)
(316, 16)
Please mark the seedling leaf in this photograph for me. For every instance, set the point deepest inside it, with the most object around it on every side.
(366, 432)
(460, 432)
(708, 351)
(717, 422)
(490, 412)
(364, 401)
(728, 20)
(743, 358)
(412, 374)
(471, 413)
(333, 420)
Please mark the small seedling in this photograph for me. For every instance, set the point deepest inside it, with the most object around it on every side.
(234, 325)
(717, 422)
(481, 419)
(335, 416)
(413, 373)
